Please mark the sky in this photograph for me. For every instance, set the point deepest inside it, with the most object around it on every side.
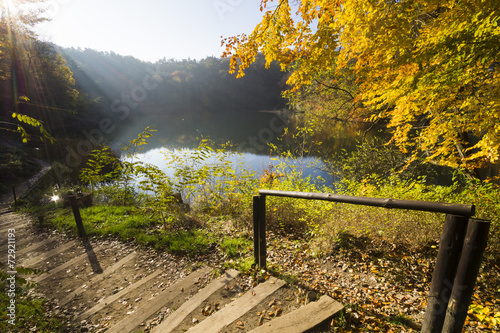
(149, 29)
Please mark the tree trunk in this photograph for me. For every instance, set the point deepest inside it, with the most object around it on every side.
(462, 145)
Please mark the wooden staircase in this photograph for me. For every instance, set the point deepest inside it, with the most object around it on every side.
(129, 291)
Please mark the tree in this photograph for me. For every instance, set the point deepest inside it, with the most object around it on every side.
(429, 68)
(21, 63)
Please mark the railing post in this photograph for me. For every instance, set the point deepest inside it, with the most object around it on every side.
(450, 247)
(468, 269)
(76, 213)
(259, 230)
(14, 194)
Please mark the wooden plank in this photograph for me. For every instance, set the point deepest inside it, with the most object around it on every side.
(97, 278)
(35, 246)
(28, 249)
(12, 222)
(12, 217)
(169, 324)
(110, 299)
(14, 226)
(44, 256)
(149, 308)
(304, 318)
(239, 307)
(64, 266)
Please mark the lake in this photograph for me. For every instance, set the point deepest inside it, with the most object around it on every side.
(250, 131)
(311, 166)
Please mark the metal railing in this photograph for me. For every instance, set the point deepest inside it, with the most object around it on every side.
(461, 247)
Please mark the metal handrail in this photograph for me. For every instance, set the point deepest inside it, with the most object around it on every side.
(437, 207)
(462, 245)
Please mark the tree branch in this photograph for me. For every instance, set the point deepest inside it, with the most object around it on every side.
(334, 88)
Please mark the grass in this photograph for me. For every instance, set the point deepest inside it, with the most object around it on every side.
(236, 247)
(325, 225)
(30, 309)
(130, 224)
(403, 320)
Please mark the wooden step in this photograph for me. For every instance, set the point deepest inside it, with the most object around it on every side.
(24, 242)
(35, 246)
(64, 266)
(172, 321)
(110, 299)
(97, 278)
(45, 256)
(14, 225)
(304, 318)
(6, 211)
(239, 307)
(11, 220)
(156, 303)
(11, 217)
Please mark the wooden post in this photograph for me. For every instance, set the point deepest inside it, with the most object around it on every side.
(256, 200)
(259, 230)
(468, 269)
(450, 247)
(78, 217)
(14, 193)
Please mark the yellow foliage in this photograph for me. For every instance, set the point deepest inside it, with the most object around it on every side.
(431, 67)
(484, 314)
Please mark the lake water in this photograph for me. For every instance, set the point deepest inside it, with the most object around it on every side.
(310, 166)
(249, 131)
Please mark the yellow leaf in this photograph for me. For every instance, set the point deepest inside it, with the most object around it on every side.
(480, 316)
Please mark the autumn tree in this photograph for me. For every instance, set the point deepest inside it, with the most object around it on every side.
(28, 71)
(429, 68)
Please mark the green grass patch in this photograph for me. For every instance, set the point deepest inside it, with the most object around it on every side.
(236, 247)
(102, 220)
(187, 242)
(31, 311)
(131, 224)
(403, 320)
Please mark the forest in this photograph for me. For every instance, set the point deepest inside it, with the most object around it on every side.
(79, 87)
(74, 92)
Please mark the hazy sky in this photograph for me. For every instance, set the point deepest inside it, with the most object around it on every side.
(149, 29)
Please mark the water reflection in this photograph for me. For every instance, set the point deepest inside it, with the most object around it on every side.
(250, 130)
(309, 167)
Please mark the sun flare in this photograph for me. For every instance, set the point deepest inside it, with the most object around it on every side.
(10, 6)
